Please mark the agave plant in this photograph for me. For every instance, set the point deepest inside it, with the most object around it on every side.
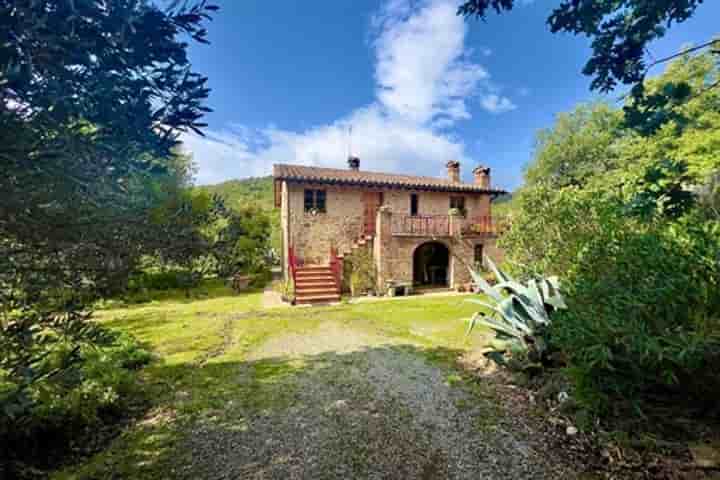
(519, 313)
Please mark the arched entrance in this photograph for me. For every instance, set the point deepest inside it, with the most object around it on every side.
(431, 265)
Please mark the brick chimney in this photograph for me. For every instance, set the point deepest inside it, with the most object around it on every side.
(453, 171)
(482, 176)
(354, 163)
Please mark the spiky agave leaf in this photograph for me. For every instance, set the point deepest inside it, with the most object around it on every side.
(473, 321)
(486, 288)
(553, 296)
(499, 274)
(512, 287)
(535, 312)
(533, 291)
(497, 356)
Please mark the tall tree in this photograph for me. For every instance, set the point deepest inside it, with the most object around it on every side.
(577, 147)
(93, 97)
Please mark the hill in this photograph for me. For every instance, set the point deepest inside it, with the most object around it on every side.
(237, 193)
(503, 205)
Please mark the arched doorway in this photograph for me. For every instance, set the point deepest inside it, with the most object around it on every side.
(431, 265)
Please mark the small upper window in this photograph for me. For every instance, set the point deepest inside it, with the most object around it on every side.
(315, 201)
(458, 202)
(413, 204)
(478, 254)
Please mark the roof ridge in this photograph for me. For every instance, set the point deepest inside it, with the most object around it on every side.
(373, 172)
(304, 173)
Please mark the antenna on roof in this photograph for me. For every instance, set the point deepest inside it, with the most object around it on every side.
(349, 153)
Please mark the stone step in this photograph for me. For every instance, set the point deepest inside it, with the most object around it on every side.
(307, 273)
(313, 268)
(314, 283)
(316, 277)
(304, 292)
(317, 298)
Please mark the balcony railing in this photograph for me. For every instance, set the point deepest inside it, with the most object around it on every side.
(481, 225)
(421, 225)
(443, 225)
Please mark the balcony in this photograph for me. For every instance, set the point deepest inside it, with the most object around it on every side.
(421, 225)
(443, 226)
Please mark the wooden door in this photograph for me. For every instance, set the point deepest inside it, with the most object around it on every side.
(371, 203)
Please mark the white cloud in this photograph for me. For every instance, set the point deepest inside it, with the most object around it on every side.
(421, 68)
(425, 80)
(383, 143)
(494, 103)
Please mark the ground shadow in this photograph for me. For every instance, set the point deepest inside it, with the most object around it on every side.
(385, 411)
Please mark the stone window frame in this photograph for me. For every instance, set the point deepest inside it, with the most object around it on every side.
(314, 200)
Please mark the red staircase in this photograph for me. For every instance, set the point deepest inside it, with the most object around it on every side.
(316, 284)
(321, 283)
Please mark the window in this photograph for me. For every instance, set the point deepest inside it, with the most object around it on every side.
(478, 254)
(315, 200)
(413, 204)
(458, 202)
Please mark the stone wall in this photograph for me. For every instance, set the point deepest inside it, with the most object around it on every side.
(436, 203)
(314, 235)
(397, 262)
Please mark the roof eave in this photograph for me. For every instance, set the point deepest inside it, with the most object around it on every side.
(464, 188)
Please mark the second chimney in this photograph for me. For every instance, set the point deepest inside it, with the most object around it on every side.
(453, 171)
(354, 163)
(482, 176)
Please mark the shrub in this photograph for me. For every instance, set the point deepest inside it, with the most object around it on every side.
(643, 294)
(261, 277)
(162, 280)
(360, 271)
(644, 316)
(84, 388)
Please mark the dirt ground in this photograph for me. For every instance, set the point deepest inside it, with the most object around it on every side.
(338, 404)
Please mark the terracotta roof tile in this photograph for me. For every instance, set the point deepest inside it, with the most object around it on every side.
(303, 174)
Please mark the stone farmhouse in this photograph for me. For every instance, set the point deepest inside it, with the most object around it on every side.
(418, 231)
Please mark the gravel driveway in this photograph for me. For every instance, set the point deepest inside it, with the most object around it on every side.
(341, 404)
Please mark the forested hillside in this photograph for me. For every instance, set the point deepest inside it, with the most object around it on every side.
(248, 191)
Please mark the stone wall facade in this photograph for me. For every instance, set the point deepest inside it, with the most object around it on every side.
(342, 225)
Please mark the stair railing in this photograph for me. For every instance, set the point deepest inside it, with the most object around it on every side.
(292, 263)
(335, 267)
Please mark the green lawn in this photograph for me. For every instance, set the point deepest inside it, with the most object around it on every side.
(203, 342)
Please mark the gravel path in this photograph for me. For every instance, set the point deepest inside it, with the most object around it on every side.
(351, 405)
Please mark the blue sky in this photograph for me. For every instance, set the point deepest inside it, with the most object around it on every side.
(418, 85)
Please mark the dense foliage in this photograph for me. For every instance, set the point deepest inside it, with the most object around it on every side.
(55, 416)
(251, 193)
(631, 224)
(93, 97)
